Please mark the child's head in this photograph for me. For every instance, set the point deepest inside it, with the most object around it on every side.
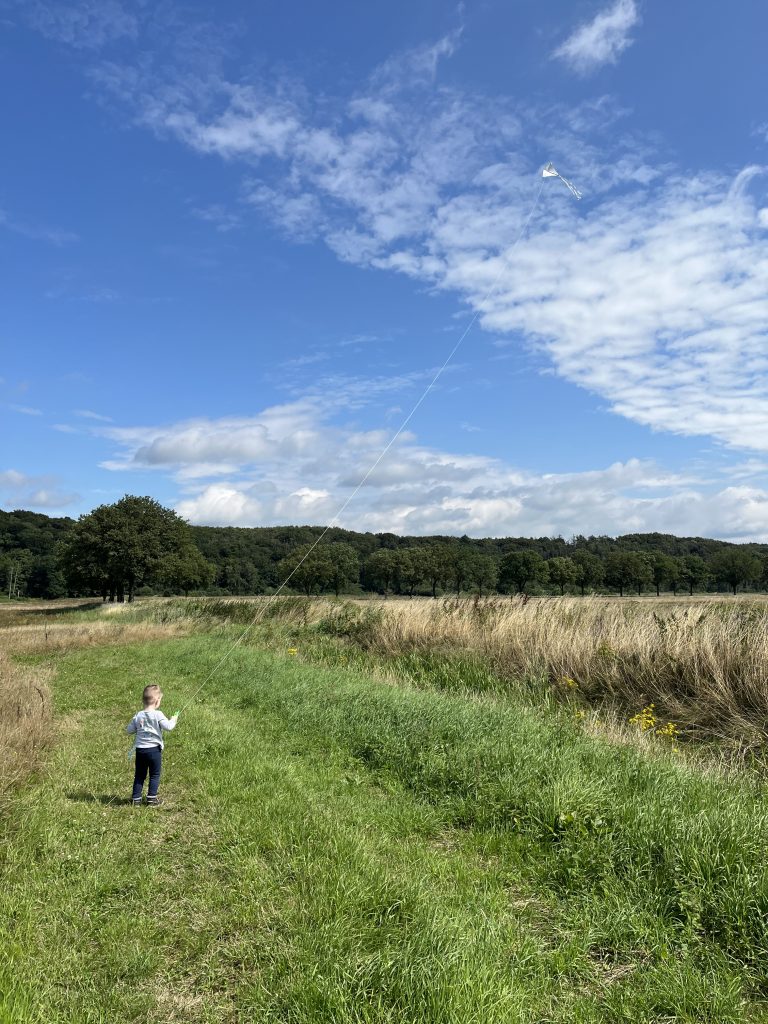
(152, 696)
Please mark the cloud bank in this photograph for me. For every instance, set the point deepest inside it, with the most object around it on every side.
(296, 463)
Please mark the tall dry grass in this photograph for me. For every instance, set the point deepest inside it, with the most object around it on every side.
(59, 638)
(25, 720)
(702, 662)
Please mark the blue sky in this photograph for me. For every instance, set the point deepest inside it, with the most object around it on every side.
(237, 241)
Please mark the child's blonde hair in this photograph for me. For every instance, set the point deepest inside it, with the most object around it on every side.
(152, 694)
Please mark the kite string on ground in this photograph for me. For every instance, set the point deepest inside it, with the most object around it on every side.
(263, 606)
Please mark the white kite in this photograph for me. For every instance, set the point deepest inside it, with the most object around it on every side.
(550, 172)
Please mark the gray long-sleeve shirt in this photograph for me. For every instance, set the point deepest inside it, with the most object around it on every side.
(149, 725)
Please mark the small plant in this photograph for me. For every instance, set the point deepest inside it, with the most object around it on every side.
(669, 731)
(605, 652)
(645, 720)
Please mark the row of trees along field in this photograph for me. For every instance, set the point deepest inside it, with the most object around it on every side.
(138, 546)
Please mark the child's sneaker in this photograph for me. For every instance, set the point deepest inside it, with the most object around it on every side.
(153, 801)
(136, 802)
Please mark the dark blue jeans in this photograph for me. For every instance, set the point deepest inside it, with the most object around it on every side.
(148, 759)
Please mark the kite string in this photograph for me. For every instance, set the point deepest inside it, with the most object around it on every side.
(263, 606)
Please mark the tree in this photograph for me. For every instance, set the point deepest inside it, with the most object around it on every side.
(519, 568)
(627, 568)
(410, 568)
(694, 573)
(458, 561)
(436, 562)
(307, 568)
(345, 566)
(483, 572)
(381, 569)
(736, 567)
(562, 572)
(185, 570)
(117, 548)
(45, 578)
(590, 571)
(675, 574)
(664, 568)
(640, 569)
(15, 568)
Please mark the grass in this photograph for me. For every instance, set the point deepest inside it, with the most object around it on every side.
(369, 830)
(701, 662)
(336, 849)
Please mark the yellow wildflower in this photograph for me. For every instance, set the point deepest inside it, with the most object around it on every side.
(645, 720)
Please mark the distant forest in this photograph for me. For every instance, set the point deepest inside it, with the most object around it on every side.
(241, 561)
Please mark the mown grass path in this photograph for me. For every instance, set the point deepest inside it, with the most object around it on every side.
(298, 873)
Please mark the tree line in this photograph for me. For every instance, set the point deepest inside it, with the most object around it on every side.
(136, 546)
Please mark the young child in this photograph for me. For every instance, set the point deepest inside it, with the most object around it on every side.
(149, 725)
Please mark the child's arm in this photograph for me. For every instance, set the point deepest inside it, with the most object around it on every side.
(168, 723)
(131, 727)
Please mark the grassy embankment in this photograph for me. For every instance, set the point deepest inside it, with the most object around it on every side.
(702, 663)
(335, 849)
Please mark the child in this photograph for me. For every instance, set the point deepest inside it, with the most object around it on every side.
(148, 726)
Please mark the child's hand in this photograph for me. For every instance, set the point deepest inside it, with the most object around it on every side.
(177, 714)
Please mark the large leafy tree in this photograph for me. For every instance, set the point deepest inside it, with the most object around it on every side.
(308, 568)
(459, 563)
(590, 571)
(483, 572)
(736, 567)
(381, 569)
(664, 569)
(411, 568)
(627, 569)
(436, 561)
(185, 570)
(132, 543)
(694, 573)
(562, 572)
(519, 568)
(345, 566)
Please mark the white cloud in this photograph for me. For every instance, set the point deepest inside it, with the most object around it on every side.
(89, 415)
(18, 490)
(36, 232)
(602, 40)
(85, 24)
(649, 294)
(297, 463)
(656, 302)
(223, 219)
(26, 410)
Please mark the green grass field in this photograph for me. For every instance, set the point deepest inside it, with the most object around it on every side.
(333, 848)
